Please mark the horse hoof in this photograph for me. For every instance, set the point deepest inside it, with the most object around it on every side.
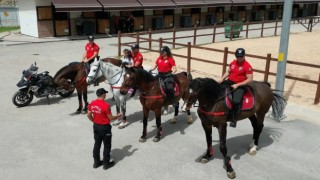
(142, 140)
(189, 120)
(77, 112)
(165, 112)
(231, 175)
(116, 123)
(204, 160)
(156, 139)
(83, 112)
(174, 120)
(253, 152)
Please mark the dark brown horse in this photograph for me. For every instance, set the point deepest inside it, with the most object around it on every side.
(212, 112)
(151, 97)
(74, 75)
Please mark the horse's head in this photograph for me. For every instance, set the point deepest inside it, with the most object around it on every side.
(129, 80)
(95, 72)
(193, 92)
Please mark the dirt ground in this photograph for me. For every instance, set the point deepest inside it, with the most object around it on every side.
(303, 47)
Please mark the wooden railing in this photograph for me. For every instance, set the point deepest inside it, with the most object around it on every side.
(225, 51)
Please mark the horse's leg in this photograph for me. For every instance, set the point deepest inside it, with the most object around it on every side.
(223, 149)
(257, 124)
(117, 122)
(80, 100)
(85, 99)
(123, 110)
(176, 111)
(208, 130)
(165, 110)
(159, 128)
(143, 138)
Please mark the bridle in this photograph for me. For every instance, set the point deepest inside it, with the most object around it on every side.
(100, 69)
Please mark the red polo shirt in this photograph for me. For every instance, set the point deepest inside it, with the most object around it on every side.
(100, 110)
(137, 58)
(238, 72)
(91, 49)
(165, 65)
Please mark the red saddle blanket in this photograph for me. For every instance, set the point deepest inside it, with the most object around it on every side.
(175, 89)
(247, 100)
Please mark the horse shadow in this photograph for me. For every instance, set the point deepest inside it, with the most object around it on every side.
(119, 154)
(238, 146)
(168, 128)
(52, 100)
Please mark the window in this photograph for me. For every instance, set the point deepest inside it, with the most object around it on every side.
(44, 13)
(89, 14)
(61, 16)
(211, 9)
(186, 11)
(158, 12)
(102, 15)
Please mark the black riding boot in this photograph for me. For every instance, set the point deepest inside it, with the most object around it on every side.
(97, 163)
(236, 111)
(172, 99)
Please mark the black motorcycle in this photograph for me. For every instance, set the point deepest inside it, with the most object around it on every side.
(39, 85)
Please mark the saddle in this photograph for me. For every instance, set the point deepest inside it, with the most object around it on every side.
(247, 99)
(163, 87)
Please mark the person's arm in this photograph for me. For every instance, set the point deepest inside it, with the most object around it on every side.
(154, 67)
(174, 69)
(246, 82)
(84, 56)
(111, 117)
(95, 54)
(89, 115)
(225, 75)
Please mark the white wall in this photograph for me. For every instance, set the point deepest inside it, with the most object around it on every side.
(28, 17)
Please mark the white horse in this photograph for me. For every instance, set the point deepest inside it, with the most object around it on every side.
(114, 76)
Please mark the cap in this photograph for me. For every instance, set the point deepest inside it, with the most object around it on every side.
(134, 46)
(101, 92)
(90, 38)
(240, 52)
(164, 49)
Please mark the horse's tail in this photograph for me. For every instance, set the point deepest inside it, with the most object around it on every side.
(278, 105)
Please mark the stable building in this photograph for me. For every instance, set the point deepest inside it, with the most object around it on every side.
(53, 18)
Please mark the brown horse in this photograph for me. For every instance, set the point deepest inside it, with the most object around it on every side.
(74, 75)
(212, 112)
(151, 97)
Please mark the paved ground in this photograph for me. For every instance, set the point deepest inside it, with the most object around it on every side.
(44, 141)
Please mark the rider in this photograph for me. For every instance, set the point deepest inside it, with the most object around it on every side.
(240, 74)
(127, 57)
(166, 68)
(136, 56)
(91, 52)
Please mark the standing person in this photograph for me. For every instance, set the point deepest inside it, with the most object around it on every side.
(127, 23)
(131, 23)
(240, 74)
(91, 52)
(166, 68)
(136, 56)
(99, 113)
(79, 25)
(115, 23)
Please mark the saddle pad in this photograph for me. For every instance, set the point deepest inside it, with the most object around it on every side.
(247, 100)
(176, 90)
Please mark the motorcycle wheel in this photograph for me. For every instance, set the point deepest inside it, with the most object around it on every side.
(67, 93)
(22, 98)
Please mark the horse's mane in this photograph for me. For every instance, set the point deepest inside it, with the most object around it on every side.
(209, 87)
(68, 71)
(145, 75)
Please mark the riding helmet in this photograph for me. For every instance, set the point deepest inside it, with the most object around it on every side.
(240, 52)
(135, 46)
(164, 49)
(90, 38)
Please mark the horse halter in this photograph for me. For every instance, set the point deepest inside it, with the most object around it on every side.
(94, 77)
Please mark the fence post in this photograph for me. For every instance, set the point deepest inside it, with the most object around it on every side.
(225, 60)
(276, 27)
(267, 70)
(247, 29)
(138, 38)
(195, 35)
(316, 99)
(189, 58)
(160, 43)
(119, 43)
(214, 32)
(174, 38)
(262, 27)
(150, 36)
